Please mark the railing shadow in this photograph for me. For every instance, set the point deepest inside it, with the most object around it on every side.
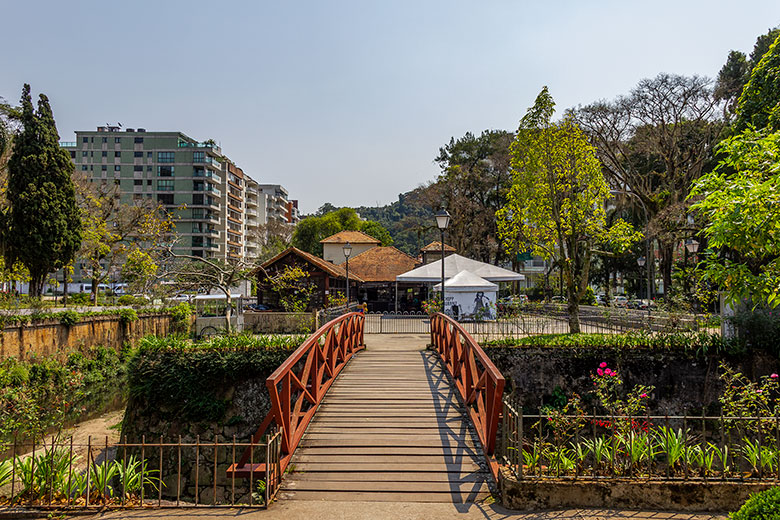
(454, 432)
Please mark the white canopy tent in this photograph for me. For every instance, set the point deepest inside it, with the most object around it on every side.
(474, 296)
(453, 265)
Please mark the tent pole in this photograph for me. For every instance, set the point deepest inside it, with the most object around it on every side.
(396, 296)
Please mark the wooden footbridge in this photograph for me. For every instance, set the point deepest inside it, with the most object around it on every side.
(391, 422)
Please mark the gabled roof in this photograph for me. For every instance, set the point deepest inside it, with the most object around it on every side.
(336, 271)
(454, 264)
(435, 247)
(381, 264)
(353, 237)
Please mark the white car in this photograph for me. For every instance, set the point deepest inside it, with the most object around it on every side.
(620, 301)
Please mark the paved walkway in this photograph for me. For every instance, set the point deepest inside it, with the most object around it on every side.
(390, 429)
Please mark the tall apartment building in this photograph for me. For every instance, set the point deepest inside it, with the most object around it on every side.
(219, 210)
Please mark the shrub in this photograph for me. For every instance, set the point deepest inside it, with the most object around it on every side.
(127, 315)
(180, 316)
(79, 298)
(181, 379)
(69, 318)
(760, 506)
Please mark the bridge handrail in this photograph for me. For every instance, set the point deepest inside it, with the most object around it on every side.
(294, 404)
(481, 389)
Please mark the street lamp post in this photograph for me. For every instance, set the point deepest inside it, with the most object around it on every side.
(347, 249)
(442, 222)
(642, 261)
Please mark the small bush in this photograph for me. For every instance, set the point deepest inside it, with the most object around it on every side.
(127, 315)
(69, 318)
(79, 298)
(760, 506)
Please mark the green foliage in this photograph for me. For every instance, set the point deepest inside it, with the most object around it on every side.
(760, 506)
(69, 317)
(311, 230)
(759, 104)
(127, 316)
(697, 343)
(40, 395)
(740, 200)
(555, 206)
(78, 298)
(180, 317)
(44, 224)
(293, 287)
(181, 379)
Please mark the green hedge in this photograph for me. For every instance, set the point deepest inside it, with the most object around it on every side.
(760, 506)
(699, 343)
(71, 317)
(186, 380)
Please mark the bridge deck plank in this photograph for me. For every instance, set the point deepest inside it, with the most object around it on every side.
(390, 429)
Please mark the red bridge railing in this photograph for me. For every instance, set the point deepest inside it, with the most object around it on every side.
(299, 384)
(479, 382)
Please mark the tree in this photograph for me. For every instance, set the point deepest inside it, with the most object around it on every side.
(731, 80)
(653, 144)
(740, 201)
(44, 224)
(555, 206)
(474, 181)
(311, 230)
(113, 230)
(293, 287)
(759, 104)
(199, 274)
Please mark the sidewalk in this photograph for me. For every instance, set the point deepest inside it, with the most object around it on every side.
(320, 510)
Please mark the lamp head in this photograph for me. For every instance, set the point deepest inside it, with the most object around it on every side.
(347, 249)
(692, 245)
(641, 261)
(442, 219)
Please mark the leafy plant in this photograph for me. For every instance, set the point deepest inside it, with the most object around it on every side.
(130, 471)
(69, 318)
(763, 505)
(102, 477)
(671, 444)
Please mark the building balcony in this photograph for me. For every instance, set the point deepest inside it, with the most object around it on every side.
(212, 147)
(212, 163)
(68, 144)
(207, 188)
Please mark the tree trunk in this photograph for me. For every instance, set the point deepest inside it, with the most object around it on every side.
(667, 260)
(94, 290)
(36, 285)
(228, 311)
(64, 286)
(574, 312)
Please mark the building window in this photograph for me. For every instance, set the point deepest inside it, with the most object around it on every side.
(84, 153)
(197, 241)
(104, 153)
(72, 154)
(104, 167)
(148, 168)
(197, 199)
(83, 167)
(117, 154)
(165, 157)
(117, 168)
(138, 154)
(138, 168)
(165, 185)
(138, 182)
(105, 140)
(165, 171)
(138, 140)
(117, 140)
(198, 156)
(149, 182)
(165, 198)
(148, 155)
(116, 181)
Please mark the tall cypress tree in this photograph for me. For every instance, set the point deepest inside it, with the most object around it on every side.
(44, 224)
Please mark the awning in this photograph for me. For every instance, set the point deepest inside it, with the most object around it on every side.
(453, 265)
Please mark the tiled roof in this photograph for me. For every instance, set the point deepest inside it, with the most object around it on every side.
(381, 264)
(353, 237)
(337, 271)
(435, 247)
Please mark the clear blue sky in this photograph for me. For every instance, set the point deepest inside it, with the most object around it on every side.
(348, 101)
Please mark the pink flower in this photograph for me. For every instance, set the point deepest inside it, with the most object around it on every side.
(599, 372)
(773, 376)
(603, 364)
(608, 372)
(643, 395)
(759, 391)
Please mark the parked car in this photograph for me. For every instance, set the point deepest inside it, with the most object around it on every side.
(601, 299)
(620, 301)
(634, 304)
(558, 299)
(509, 304)
(255, 307)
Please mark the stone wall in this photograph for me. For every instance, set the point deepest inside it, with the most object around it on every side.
(534, 494)
(682, 381)
(266, 322)
(50, 338)
(249, 403)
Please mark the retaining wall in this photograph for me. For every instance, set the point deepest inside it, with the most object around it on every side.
(50, 338)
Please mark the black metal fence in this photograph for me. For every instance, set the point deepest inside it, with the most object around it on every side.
(65, 475)
(397, 323)
(553, 445)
